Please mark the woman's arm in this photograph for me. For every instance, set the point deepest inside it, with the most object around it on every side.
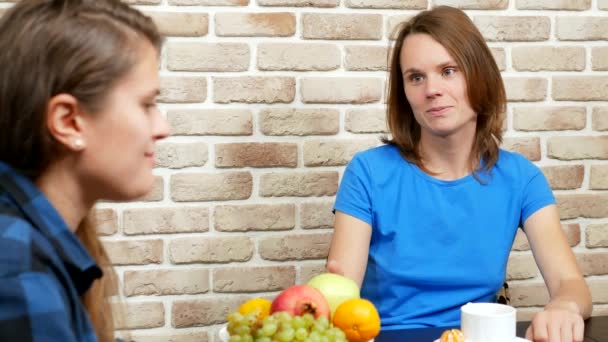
(349, 247)
(556, 260)
(32, 309)
(570, 297)
(33, 304)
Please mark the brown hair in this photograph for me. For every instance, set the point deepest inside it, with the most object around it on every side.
(486, 93)
(77, 47)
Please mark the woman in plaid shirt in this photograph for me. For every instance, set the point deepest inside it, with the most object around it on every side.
(78, 123)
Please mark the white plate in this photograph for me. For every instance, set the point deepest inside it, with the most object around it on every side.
(224, 336)
(517, 339)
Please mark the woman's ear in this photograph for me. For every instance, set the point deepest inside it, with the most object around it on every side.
(65, 122)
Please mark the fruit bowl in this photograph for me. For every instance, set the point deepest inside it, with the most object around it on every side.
(327, 309)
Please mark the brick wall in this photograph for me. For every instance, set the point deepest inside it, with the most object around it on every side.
(269, 99)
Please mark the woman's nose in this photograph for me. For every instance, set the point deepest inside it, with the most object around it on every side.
(161, 127)
(433, 87)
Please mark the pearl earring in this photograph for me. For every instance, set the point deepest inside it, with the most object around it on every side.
(78, 144)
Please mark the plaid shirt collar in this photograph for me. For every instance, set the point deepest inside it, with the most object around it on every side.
(21, 194)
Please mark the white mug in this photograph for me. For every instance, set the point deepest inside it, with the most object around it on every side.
(488, 322)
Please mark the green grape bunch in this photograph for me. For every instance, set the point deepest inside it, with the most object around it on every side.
(282, 327)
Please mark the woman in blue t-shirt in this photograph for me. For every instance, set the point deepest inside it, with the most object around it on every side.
(426, 222)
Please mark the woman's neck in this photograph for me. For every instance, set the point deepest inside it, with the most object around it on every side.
(59, 184)
(449, 157)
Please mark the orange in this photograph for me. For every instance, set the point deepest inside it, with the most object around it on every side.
(259, 306)
(452, 335)
(358, 318)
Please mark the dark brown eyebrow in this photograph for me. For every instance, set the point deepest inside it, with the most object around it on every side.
(411, 71)
(440, 66)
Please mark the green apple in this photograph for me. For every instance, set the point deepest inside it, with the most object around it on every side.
(335, 288)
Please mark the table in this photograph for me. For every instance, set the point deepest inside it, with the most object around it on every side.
(596, 330)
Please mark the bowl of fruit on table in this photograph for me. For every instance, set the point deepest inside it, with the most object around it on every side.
(327, 309)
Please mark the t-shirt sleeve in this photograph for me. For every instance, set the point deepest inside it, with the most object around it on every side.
(354, 194)
(537, 193)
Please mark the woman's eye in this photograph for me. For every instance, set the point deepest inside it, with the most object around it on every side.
(449, 71)
(415, 78)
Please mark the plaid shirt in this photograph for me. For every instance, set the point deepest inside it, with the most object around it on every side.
(44, 269)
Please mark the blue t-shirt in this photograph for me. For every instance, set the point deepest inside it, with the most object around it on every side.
(436, 244)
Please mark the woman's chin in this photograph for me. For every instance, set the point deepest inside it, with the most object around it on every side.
(140, 194)
(135, 192)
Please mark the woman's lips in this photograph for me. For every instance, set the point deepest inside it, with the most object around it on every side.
(150, 156)
(439, 110)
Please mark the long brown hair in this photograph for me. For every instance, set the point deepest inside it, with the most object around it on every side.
(77, 47)
(486, 93)
(96, 299)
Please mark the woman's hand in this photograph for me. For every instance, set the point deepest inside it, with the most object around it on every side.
(559, 322)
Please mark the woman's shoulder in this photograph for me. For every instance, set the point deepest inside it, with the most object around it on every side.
(385, 153)
(17, 243)
(511, 158)
(379, 164)
(515, 163)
